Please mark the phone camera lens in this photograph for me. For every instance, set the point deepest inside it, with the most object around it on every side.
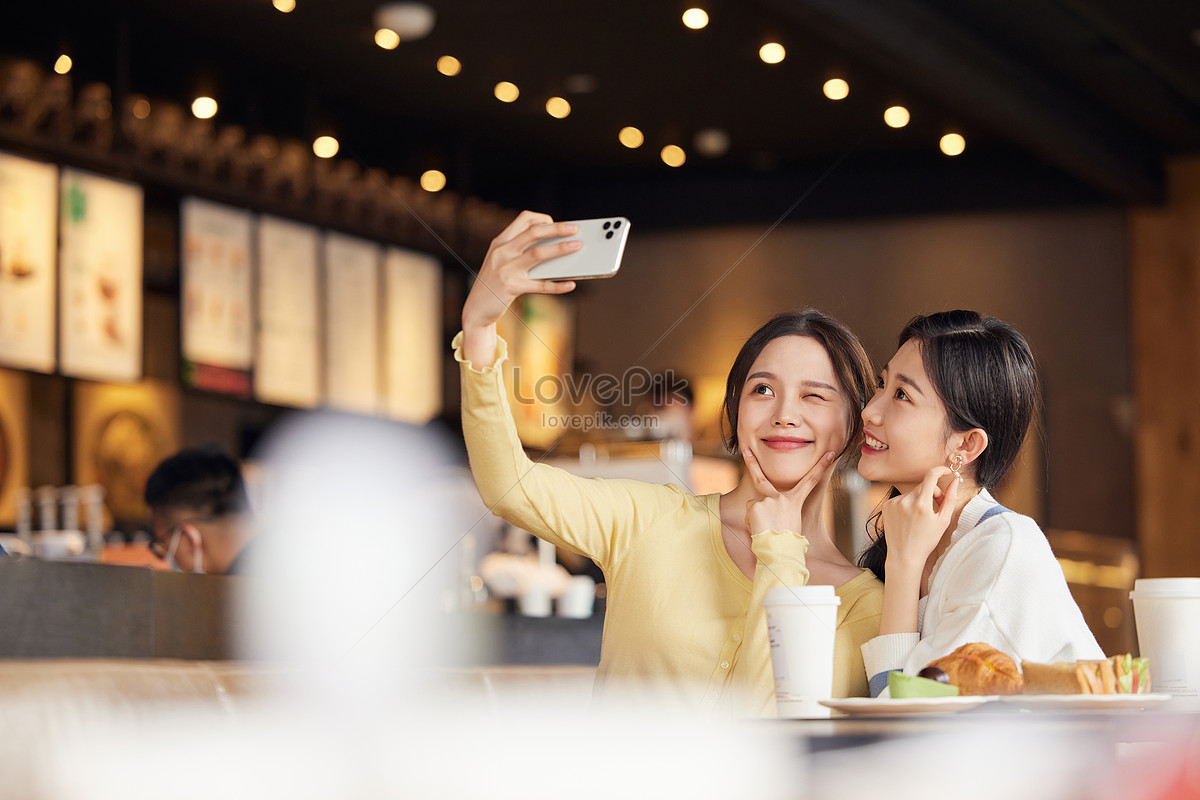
(616, 224)
(606, 225)
(608, 235)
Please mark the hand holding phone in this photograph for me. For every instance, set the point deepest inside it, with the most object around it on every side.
(603, 243)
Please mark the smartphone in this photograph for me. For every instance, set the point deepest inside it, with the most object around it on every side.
(600, 257)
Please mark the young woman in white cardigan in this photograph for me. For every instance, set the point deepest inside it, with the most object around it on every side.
(947, 421)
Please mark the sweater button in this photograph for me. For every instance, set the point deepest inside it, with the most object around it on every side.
(737, 637)
(724, 665)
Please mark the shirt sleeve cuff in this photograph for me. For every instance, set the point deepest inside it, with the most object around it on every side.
(772, 542)
(501, 354)
(888, 652)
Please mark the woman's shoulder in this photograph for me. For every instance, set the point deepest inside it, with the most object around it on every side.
(1003, 541)
(1006, 528)
(862, 585)
(861, 596)
(667, 496)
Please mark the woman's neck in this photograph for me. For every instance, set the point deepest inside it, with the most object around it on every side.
(967, 492)
(812, 514)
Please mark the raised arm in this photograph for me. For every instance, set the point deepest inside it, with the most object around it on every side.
(504, 277)
(596, 518)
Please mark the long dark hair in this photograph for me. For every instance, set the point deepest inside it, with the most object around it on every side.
(983, 371)
(849, 359)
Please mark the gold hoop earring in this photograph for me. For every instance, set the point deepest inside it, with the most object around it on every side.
(956, 465)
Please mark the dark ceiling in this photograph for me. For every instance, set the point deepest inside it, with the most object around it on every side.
(1061, 102)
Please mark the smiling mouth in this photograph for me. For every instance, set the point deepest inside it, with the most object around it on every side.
(785, 443)
(873, 443)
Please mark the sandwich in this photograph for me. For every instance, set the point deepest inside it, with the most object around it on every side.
(1122, 674)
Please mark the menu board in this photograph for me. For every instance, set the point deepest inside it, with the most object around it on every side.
(218, 331)
(100, 288)
(352, 324)
(286, 367)
(414, 335)
(28, 238)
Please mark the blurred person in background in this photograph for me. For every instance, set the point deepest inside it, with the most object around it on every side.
(200, 512)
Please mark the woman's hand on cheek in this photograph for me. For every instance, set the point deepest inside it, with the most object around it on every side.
(773, 510)
(915, 522)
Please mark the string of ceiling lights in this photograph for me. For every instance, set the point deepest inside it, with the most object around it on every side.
(710, 141)
(408, 21)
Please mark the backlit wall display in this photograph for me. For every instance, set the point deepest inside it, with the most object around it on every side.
(100, 286)
(414, 335)
(286, 370)
(352, 319)
(28, 252)
(217, 304)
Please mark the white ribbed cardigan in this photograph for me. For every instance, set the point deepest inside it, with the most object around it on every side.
(998, 582)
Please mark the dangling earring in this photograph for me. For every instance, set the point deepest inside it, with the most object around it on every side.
(956, 465)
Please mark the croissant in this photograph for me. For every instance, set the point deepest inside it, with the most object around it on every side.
(980, 669)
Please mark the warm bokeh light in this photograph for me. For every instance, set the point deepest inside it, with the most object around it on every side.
(580, 83)
(387, 38)
(141, 108)
(772, 52)
(836, 89)
(896, 116)
(695, 18)
(673, 155)
(506, 92)
(433, 180)
(204, 107)
(631, 137)
(63, 65)
(953, 144)
(557, 107)
(711, 142)
(286, 6)
(449, 65)
(325, 147)
(265, 147)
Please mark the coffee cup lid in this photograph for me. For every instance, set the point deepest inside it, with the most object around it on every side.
(823, 595)
(1165, 587)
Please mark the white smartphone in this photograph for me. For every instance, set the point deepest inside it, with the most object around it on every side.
(600, 256)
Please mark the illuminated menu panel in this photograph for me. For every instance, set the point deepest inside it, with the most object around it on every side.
(286, 370)
(28, 241)
(352, 319)
(100, 286)
(414, 335)
(216, 316)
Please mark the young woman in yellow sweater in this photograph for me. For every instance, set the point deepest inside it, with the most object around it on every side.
(687, 574)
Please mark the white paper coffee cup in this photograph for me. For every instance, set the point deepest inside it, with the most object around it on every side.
(801, 623)
(577, 599)
(1167, 614)
(535, 602)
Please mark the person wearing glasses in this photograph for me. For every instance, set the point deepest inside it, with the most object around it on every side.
(200, 512)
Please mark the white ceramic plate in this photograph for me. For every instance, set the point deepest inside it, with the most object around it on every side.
(889, 707)
(1086, 702)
